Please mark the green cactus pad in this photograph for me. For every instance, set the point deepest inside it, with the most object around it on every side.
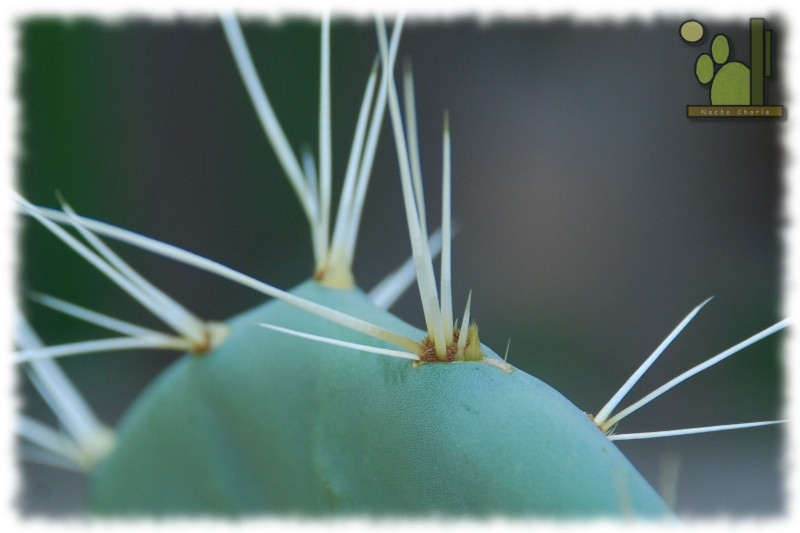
(270, 423)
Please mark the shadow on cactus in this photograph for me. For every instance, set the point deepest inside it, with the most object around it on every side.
(320, 401)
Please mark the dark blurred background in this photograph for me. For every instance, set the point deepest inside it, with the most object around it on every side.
(594, 213)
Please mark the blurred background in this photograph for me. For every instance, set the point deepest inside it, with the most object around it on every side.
(594, 214)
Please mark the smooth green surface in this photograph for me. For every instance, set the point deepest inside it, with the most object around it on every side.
(272, 423)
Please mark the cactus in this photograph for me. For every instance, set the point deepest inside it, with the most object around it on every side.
(354, 432)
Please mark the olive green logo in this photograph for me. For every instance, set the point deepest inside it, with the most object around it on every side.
(734, 88)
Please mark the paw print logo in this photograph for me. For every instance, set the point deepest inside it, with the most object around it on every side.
(731, 82)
